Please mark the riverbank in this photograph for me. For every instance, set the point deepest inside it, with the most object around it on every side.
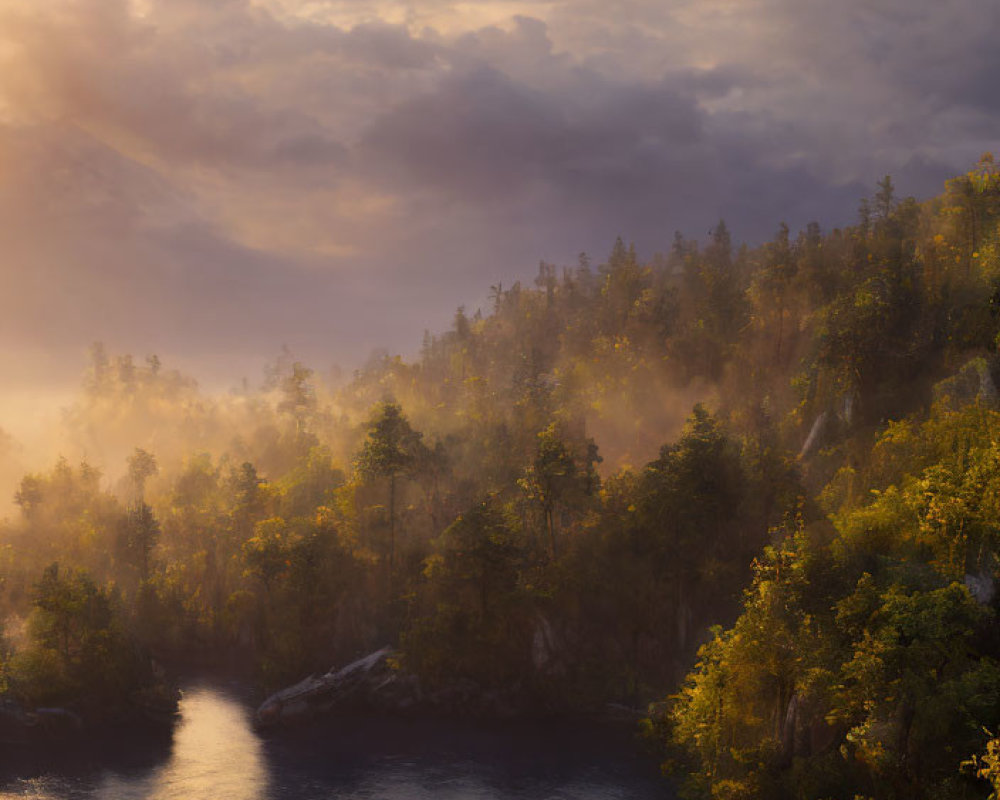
(376, 684)
(215, 752)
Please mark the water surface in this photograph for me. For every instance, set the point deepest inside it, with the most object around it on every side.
(216, 754)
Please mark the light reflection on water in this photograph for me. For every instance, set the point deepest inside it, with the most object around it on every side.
(216, 755)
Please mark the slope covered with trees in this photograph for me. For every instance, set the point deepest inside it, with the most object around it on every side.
(558, 499)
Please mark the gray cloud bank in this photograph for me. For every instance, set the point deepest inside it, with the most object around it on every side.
(208, 180)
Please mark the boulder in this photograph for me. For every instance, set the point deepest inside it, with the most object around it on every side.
(981, 587)
(369, 683)
(972, 383)
(815, 438)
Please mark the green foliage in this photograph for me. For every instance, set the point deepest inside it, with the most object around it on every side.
(556, 476)
(391, 445)
(477, 610)
(868, 644)
(141, 466)
(390, 450)
(78, 653)
(138, 537)
(835, 514)
(987, 765)
(267, 553)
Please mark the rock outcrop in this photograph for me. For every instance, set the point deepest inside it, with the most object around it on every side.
(972, 383)
(376, 684)
(981, 586)
(369, 682)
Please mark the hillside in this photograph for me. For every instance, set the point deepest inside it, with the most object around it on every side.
(564, 493)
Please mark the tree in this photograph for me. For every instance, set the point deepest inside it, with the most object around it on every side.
(248, 497)
(433, 466)
(389, 451)
(78, 653)
(987, 765)
(691, 517)
(772, 285)
(141, 467)
(915, 682)
(476, 621)
(885, 198)
(73, 639)
(266, 553)
(30, 495)
(550, 476)
(561, 471)
(98, 373)
(139, 537)
(299, 397)
(140, 530)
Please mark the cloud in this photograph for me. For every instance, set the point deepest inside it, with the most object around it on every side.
(206, 178)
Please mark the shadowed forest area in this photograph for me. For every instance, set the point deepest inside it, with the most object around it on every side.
(754, 490)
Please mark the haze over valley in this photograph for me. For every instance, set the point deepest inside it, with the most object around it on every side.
(502, 399)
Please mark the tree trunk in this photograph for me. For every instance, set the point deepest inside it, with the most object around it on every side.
(392, 526)
(392, 530)
(551, 525)
(781, 330)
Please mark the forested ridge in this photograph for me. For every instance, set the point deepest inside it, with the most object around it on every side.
(754, 489)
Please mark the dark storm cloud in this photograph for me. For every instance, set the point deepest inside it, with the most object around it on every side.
(483, 135)
(100, 248)
(945, 53)
(223, 177)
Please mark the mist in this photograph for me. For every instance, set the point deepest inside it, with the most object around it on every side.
(631, 364)
(256, 173)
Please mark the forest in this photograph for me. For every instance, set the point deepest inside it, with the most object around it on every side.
(752, 492)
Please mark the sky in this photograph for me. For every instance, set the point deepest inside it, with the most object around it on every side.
(209, 180)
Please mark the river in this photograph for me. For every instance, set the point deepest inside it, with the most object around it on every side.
(216, 754)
